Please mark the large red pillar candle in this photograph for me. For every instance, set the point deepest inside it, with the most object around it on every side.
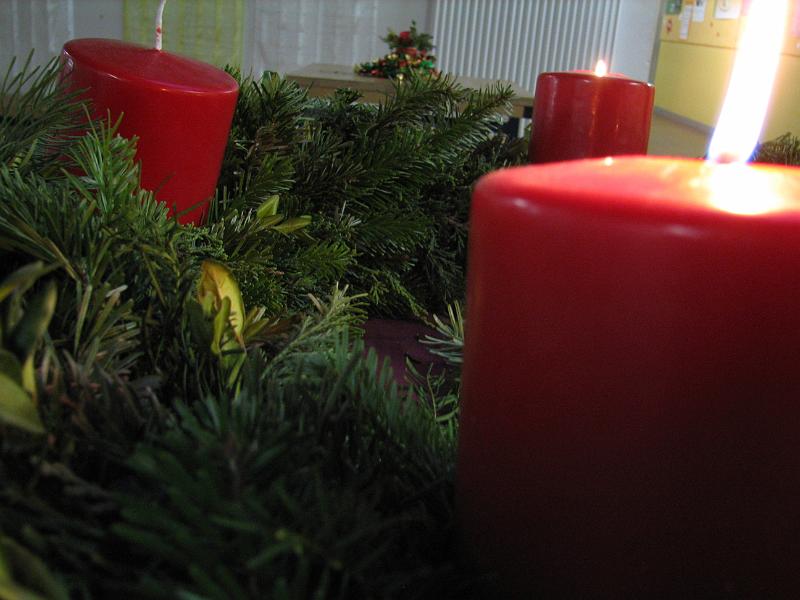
(580, 114)
(179, 108)
(630, 420)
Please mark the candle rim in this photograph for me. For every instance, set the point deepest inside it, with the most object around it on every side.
(656, 188)
(129, 61)
(614, 78)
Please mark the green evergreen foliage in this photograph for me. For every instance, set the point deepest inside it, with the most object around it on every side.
(784, 150)
(166, 448)
(387, 185)
(37, 119)
(278, 492)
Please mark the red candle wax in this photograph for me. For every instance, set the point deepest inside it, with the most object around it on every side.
(630, 410)
(179, 108)
(582, 115)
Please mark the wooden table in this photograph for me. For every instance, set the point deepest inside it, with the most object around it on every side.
(325, 79)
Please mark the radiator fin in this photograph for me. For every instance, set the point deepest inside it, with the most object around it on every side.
(518, 39)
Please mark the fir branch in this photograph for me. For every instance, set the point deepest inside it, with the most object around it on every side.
(268, 120)
(471, 125)
(439, 389)
(391, 232)
(279, 491)
(327, 260)
(340, 311)
(784, 150)
(39, 118)
(326, 169)
(417, 99)
(391, 182)
(449, 344)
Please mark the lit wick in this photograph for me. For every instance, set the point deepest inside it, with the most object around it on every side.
(159, 20)
(601, 69)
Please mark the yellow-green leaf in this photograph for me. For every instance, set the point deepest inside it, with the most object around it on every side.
(11, 591)
(5, 570)
(23, 278)
(9, 365)
(268, 208)
(34, 322)
(29, 379)
(207, 305)
(270, 222)
(218, 282)
(17, 407)
(28, 576)
(221, 323)
(198, 323)
(293, 224)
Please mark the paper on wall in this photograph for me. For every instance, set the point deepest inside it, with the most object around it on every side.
(699, 12)
(728, 9)
(685, 19)
(673, 7)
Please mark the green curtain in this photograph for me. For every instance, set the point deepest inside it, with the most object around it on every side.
(208, 30)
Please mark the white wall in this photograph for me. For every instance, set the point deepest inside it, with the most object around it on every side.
(44, 25)
(634, 41)
(98, 18)
(398, 14)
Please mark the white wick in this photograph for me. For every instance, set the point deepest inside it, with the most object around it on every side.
(159, 21)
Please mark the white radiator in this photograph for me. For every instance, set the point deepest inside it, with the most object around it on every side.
(518, 39)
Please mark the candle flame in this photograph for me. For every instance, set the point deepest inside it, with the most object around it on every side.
(749, 90)
(601, 70)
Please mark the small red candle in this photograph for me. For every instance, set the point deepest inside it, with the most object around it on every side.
(180, 109)
(630, 417)
(580, 114)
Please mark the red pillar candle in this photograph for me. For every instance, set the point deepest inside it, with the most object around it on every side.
(180, 109)
(630, 417)
(581, 114)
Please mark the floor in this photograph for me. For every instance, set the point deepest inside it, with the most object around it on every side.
(398, 340)
(669, 137)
